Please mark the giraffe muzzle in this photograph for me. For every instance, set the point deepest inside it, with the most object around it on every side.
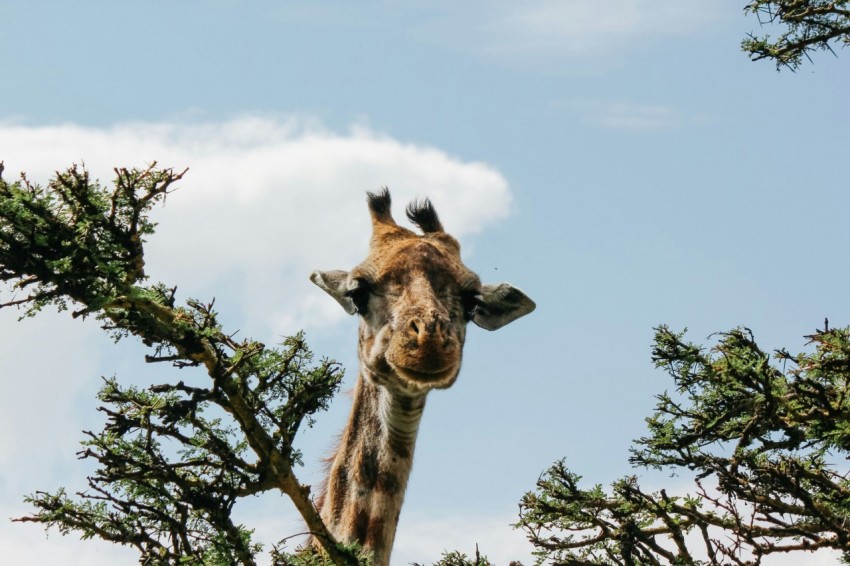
(424, 349)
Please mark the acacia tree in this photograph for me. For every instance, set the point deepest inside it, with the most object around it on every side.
(766, 440)
(810, 25)
(173, 459)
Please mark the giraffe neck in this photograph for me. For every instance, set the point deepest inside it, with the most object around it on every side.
(368, 474)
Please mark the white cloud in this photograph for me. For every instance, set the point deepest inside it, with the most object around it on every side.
(46, 363)
(527, 33)
(683, 486)
(29, 545)
(553, 29)
(266, 201)
(628, 115)
(423, 539)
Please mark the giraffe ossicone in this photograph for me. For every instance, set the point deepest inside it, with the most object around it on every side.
(414, 297)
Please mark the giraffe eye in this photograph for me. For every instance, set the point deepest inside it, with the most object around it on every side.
(470, 301)
(359, 295)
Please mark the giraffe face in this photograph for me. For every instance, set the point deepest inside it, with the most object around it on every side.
(415, 297)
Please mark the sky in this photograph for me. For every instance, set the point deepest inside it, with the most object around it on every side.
(624, 163)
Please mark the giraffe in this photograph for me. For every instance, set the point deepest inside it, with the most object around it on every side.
(414, 297)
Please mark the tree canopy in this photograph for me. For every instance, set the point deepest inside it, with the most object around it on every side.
(173, 459)
(809, 25)
(765, 439)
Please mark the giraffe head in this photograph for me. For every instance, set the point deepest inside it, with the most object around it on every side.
(415, 297)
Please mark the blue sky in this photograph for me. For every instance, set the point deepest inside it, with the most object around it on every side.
(626, 165)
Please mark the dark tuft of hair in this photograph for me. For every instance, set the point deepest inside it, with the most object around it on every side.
(379, 203)
(422, 213)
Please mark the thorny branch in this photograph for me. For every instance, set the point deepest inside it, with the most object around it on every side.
(810, 25)
(173, 458)
(762, 445)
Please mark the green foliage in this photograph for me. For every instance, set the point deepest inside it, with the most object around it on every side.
(763, 437)
(456, 558)
(810, 25)
(173, 459)
(75, 240)
(311, 556)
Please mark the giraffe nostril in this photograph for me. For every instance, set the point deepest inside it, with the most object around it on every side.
(414, 327)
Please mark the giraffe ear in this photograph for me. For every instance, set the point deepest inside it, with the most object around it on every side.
(336, 284)
(499, 305)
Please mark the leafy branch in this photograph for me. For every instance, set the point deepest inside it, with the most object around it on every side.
(173, 458)
(762, 444)
(811, 25)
